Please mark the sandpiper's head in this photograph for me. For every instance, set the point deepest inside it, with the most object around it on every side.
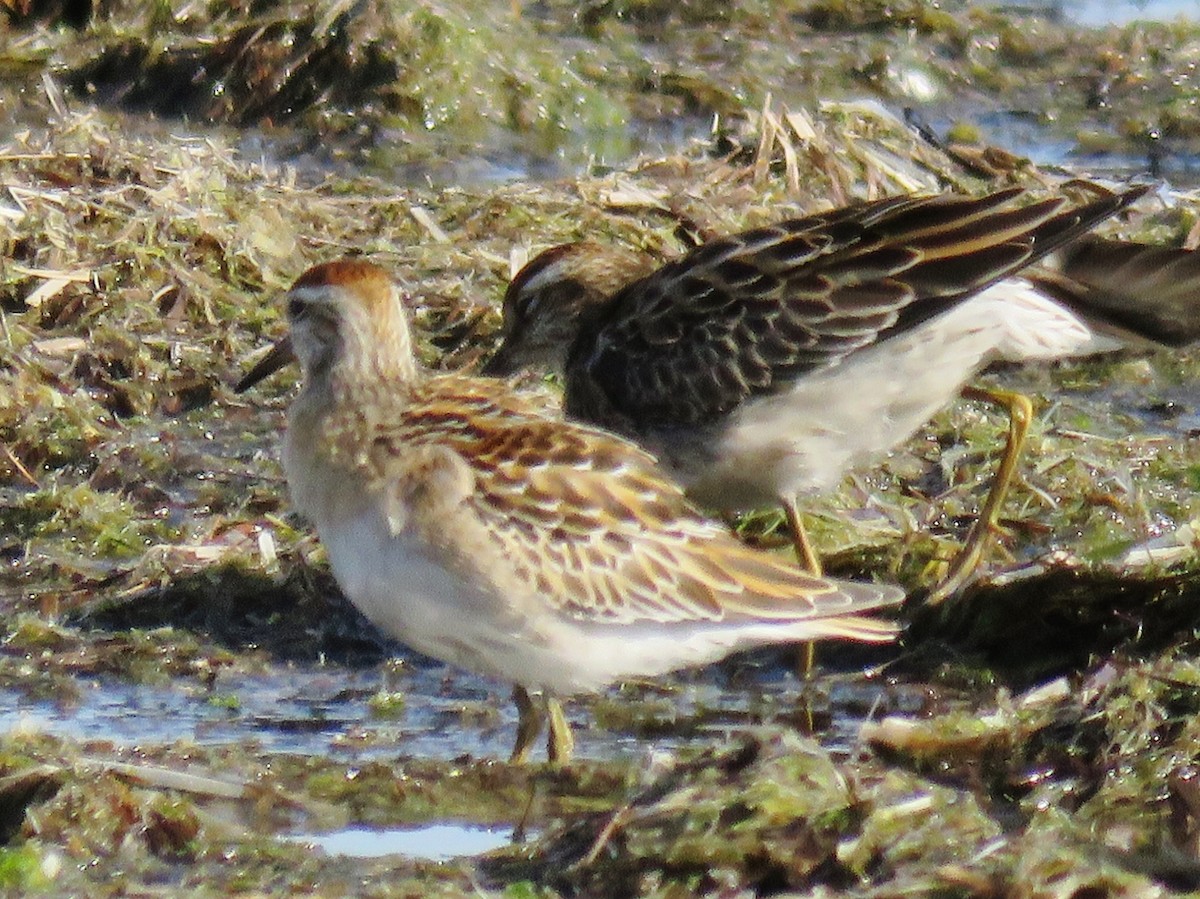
(547, 301)
(344, 316)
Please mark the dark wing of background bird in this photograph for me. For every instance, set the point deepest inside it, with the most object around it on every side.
(742, 316)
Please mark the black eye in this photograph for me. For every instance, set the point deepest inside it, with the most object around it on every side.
(531, 306)
(296, 309)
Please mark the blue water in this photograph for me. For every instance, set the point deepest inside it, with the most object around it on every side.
(445, 713)
(1113, 12)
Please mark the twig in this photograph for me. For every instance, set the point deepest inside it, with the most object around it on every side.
(24, 472)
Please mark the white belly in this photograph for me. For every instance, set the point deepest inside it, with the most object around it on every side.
(396, 583)
(410, 596)
(806, 438)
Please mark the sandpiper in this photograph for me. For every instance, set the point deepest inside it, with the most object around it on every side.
(550, 554)
(766, 364)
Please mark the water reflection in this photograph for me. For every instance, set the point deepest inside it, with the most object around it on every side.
(435, 842)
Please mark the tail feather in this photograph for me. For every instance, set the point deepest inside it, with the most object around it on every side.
(1137, 290)
(1008, 242)
(862, 629)
(770, 588)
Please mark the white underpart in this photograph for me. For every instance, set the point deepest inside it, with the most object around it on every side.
(395, 582)
(808, 437)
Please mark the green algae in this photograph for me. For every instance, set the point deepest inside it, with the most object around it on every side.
(385, 705)
(135, 488)
(21, 869)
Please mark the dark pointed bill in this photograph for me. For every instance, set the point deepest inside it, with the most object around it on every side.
(278, 356)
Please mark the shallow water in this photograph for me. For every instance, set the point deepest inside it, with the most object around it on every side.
(435, 842)
(1099, 12)
(442, 712)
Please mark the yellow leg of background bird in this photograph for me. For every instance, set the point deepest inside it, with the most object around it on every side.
(804, 550)
(811, 563)
(530, 719)
(560, 744)
(1020, 415)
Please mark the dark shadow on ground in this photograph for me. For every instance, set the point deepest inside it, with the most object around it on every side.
(301, 617)
(1056, 622)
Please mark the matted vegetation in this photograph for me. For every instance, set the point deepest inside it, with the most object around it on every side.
(140, 503)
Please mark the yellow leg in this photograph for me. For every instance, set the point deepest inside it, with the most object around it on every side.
(804, 550)
(530, 719)
(560, 744)
(811, 563)
(1020, 415)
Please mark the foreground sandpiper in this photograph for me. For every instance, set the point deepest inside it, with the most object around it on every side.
(769, 363)
(549, 554)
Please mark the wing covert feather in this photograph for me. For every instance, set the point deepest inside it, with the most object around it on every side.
(589, 520)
